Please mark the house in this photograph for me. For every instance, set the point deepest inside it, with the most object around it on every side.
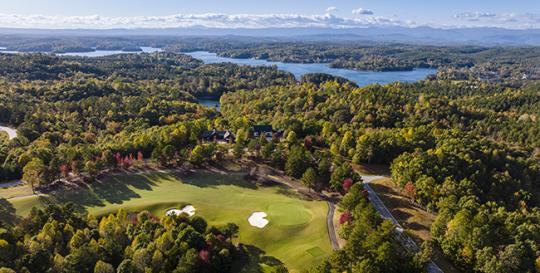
(264, 130)
(267, 131)
(218, 136)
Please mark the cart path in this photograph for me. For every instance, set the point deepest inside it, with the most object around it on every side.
(331, 228)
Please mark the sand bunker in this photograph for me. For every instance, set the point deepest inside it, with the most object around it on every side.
(257, 219)
(189, 210)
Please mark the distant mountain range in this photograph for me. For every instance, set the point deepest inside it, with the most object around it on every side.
(423, 35)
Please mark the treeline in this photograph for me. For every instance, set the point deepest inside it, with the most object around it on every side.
(444, 148)
(179, 71)
(62, 239)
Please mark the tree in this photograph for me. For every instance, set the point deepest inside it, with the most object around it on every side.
(158, 156)
(140, 157)
(189, 262)
(323, 169)
(347, 183)
(168, 153)
(297, 162)
(230, 230)
(309, 178)
(254, 145)
(126, 266)
(267, 149)
(410, 190)
(238, 149)
(345, 217)
(64, 170)
(103, 267)
(291, 138)
(340, 173)
(197, 156)
(35, 173)
(241, 136)
(91, 169)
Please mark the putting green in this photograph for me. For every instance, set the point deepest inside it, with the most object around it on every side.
(297, 228)
(288, 214)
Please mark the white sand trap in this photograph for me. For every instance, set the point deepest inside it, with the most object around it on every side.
(189, 210)
(257, 219)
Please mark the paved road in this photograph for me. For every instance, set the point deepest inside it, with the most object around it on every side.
(12, 133)
(405, 240)
(330, 223)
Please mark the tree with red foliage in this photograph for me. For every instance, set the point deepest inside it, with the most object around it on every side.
(410, 190)
(118, 159)
(345, 217)
(347, 184)
(126, 162)
(308, 142)
(205, 256)
(139, 156)
(64, 170)
(365, 194)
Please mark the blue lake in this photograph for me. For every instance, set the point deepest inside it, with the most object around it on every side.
(96, 53)
(361, 78)
(212, 103)
(101, 53)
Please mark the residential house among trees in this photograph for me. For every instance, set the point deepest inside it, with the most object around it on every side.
(267, 131)
(218, 136)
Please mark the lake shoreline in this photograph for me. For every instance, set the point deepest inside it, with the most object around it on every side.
(361, 78)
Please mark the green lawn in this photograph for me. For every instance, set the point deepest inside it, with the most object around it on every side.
(296, 235)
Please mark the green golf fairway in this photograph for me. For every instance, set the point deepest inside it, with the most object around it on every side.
(296, 234)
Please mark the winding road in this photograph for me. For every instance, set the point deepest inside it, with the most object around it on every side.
(405, 240)
(12, 133)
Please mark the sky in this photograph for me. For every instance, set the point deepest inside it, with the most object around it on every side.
(517, 14)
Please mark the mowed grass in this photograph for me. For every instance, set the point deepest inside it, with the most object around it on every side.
(15, 191)
(296, 235)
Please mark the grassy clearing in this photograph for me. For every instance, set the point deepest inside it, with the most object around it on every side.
(415, 220)
(16, 191)
(296, 234)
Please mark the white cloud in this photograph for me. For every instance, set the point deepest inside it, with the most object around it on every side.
(511, 20)
(209, 20)
(361, 11)
(331, 9)
(253, 21)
